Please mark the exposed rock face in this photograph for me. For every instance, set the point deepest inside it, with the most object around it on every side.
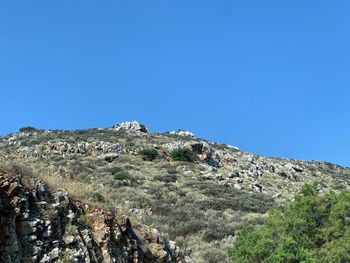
(130, 126)
(57, 147)
(39, 226)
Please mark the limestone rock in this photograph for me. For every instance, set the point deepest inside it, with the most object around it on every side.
(183, 133)
(133, 126)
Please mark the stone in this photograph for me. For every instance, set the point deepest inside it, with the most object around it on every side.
(187, 259)
(235, 174)
(232, 147)
(217, 177)
(258, 188)
(237, 187)
(40, 192)
(130, 126)
(60, 196)
(54, 254)
(45, 258)
(277, 195)
(173, 249)
(155, 236)
(183, 133)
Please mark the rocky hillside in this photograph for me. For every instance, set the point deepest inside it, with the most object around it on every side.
(195, 192)
(40, 226)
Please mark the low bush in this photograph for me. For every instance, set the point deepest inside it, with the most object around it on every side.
(183, 154)
(28, 129)
(143, 127)
(149, 154)
(121, 176)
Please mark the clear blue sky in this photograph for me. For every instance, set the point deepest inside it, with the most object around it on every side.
(271, 77)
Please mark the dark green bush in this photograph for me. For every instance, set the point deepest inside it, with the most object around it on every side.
(183, 154)
(143, 127)
(28, 129)
(121, 176)
(149, 154)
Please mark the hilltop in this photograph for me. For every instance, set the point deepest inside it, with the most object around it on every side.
(195, 192)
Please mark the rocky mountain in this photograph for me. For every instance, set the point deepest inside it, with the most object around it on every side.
(125, 182)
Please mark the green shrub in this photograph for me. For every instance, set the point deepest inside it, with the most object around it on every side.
(313, 228)
(28, 129)
(143, 127)
(220, 198)
(183, 154)
(149, 154)
(121, 176)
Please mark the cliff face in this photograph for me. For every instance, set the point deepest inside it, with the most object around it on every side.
(39, 226)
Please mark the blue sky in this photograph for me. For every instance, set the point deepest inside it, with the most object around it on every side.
(271, 77)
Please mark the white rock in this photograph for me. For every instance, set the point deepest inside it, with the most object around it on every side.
(237, 186)
(130, 126)
(277, 195)
(183, 133)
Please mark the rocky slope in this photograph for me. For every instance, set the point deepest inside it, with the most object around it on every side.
(195, 192)
(40, 226)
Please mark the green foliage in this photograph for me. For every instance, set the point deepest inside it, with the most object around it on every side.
(28, 129)
(121, 176)
(149, 154)
(69, 228)
(313, 228)
(220, 198)
(183, 154)
(143, 127)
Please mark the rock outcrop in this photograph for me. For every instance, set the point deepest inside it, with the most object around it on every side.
(130, 126)
(183, 133)
(40, 226)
